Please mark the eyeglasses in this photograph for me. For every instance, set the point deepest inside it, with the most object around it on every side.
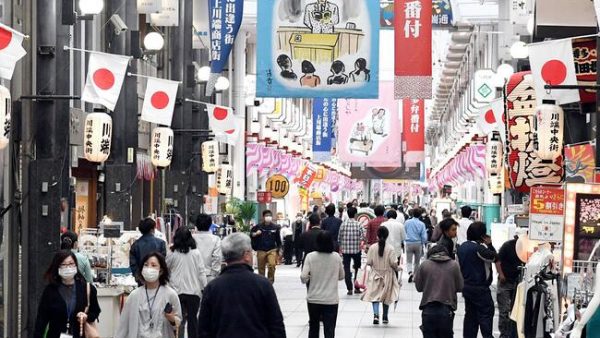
(70, 265)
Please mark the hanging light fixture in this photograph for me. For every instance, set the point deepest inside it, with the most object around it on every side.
(519, 50)
(203, 74)
(154, 41)
(549, 119)
(505, 70)
(92, 7)
(5, 107)
(222, 84)
(494, 154)
(225, 179)
(98, 132)
(161, 149)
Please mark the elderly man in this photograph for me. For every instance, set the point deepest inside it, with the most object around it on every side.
(321, 17)
(256, 312)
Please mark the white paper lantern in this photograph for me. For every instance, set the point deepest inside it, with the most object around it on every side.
(210, 156)
(496, 183)
(91, 6)
(203, 74)
(222, 84)
(549, 126)
(97, 137)
(161, 150)
(225, 179)
(154, 41)
(494, 155)
(5, 108)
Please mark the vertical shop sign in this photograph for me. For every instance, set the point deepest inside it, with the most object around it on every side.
(413, 49)
(586, 56)
(307, 177)
(324, 111)
(526, 167)
(210, 153)
(546, 214)
(168, 15)
(322, 48)
(413, 130)
(580, 162)
(82, 211)
(225, 21)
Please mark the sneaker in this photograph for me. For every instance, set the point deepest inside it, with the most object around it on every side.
(357, 291)
(376, 319)
(349, 293)
(385, 320)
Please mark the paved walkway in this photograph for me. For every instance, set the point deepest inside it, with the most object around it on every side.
(355, 318)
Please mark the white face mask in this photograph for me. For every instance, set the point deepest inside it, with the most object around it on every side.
(299, 218)
(67, 273)
(268, 219)
(150, 274)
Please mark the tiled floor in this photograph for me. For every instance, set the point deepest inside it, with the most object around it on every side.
(354, 316)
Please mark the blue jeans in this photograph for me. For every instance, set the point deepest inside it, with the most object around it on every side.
(386, 309)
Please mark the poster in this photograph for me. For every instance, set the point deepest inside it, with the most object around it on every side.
(368, 130)
(168, 15)
(413, 56)
(526, 168)
(324, 115)
(580, 161)
(413, 131)
(546, 214)
(585, 55)
(323, 48)
(442, 15)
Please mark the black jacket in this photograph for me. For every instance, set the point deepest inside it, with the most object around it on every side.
(309, 240)
(448, 243)
(53, 311)
(332, 224)
(269, 239)
(240, 304)
(143, 246)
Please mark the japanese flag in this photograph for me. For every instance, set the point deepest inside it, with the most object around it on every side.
(552, 63)
(11, 50)
(106, 73)
(491, 118)
(159, 101)
(224, 123)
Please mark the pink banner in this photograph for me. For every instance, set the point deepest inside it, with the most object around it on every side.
(369, 130)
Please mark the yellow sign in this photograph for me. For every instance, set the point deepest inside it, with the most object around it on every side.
(278, 186)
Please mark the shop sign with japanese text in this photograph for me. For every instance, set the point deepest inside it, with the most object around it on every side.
(546, 214)
(324, 114)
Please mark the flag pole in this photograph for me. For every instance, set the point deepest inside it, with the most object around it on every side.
(568, 38)
(148, 77)
(95, 52)
(14, 31)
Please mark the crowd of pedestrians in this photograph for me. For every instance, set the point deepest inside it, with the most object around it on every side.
(194, 286)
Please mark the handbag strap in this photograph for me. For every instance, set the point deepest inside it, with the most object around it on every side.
(87, 291)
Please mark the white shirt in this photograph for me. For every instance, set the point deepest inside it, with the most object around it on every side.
(463, 226)
(209, 246)
(397, 235)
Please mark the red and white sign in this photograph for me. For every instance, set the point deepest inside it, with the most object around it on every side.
(106, 73)
(11, 50)
(159, 101)
(306, 179)
(552, 63)
(413, 126)
(264, 197)
(413, 49)
(224, 123)
(546, 214)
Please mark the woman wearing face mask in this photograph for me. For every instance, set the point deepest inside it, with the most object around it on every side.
(153, 310)
(62, 309)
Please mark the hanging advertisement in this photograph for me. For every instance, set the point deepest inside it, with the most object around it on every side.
(307, 177)
(168, 16)
(368, 130)
(210, 155)
(546, 214)
(200, 21)
(389, 173)
(325, 48)
(413, 49)
(442, 15)
(413, 131)
(580, 162)
(526, 168)
(324, 114)
(225, 21)
(586, 56)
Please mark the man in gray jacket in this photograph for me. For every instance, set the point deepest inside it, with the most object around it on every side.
(440, 279)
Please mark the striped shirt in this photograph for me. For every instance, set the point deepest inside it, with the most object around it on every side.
(350, 236)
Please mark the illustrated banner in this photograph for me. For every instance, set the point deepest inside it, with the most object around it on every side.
(546, 214)
(324, 113)
(413, 49)
(526, 168)
(580, 162)
(368, 130)
(325, 48)
(413, 131)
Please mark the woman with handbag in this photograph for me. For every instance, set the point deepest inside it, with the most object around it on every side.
(69, 305)
(152, 310)
(382, 283)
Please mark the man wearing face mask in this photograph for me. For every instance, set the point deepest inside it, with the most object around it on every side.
(145, 245)
(298, 228)
(266, 241)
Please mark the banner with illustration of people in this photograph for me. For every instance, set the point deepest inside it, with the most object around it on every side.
(369, 130)
(320, 49)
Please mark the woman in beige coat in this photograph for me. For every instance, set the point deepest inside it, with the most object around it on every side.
(382, 285)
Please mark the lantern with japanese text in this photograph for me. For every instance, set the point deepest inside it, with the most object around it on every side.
(210, 155)
(97, 133)
(5, 106)
(225, 179)
(494, 155)
(161, 149)
(550, 124)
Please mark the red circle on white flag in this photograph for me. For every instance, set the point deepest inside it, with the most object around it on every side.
(230, 131)
(104, 79)
(159, 100)
(220, 113)
(489, 117)
(5, 38)
(554, 72)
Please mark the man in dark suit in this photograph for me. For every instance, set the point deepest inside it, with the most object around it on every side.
(332, 224)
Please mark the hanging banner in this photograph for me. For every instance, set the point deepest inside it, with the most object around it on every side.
(324, 112)
(368, 130)
(225, 21)
(413, 49)
(390, 173)
(527, 169)
(11, 50)
(580, 161)
(149, 6)
(159, 101)
(413, 131)
(327, 48)
(210, 154)
(307, 177)
(201, 37)
(546, 214)
(168, 15)
(586, 56)
(442, 16)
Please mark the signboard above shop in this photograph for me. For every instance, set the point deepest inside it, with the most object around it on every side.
(442, 16)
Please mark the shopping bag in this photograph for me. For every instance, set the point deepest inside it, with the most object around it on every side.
(361, 278)
(90, 329)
